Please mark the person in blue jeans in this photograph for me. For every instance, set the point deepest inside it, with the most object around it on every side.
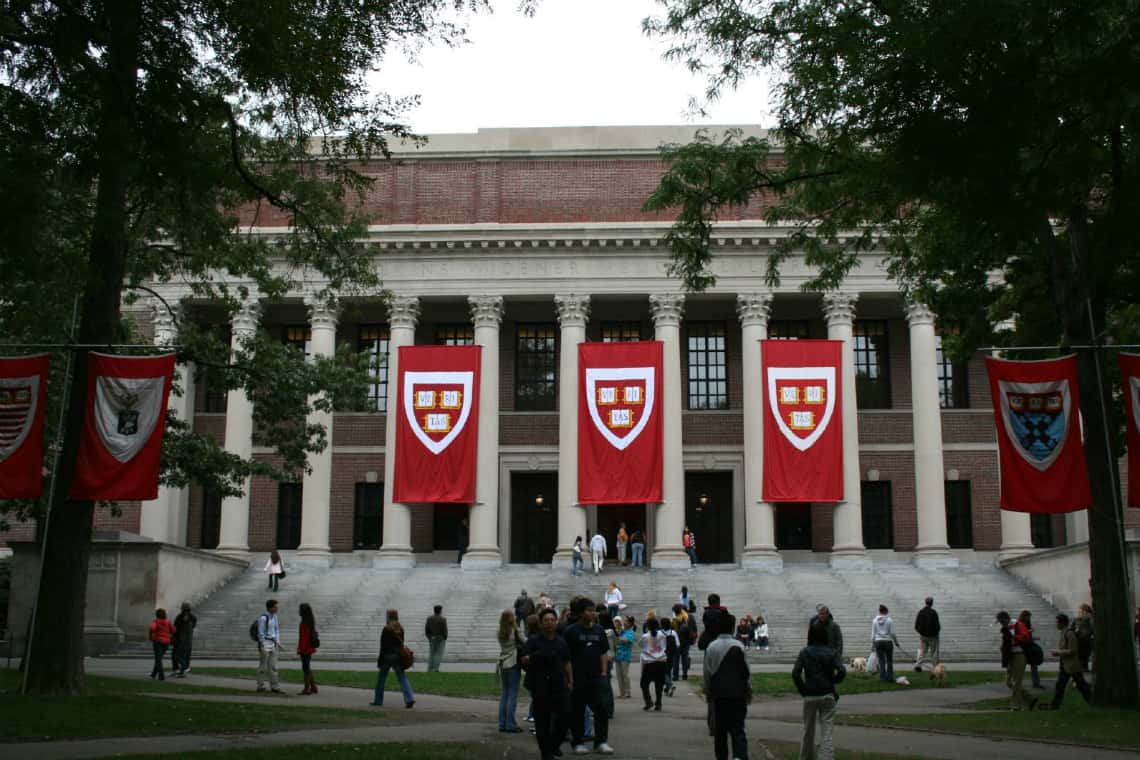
(637, 545)
(391, 645)
(509, 672)
(884, 641)
(576, 557)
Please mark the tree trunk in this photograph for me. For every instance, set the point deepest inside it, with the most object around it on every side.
(55, 664)
(1114, 668)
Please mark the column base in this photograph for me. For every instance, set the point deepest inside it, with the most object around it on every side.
(763, 558)
(935, 559)
(1013, 551)
(670, 558)
(235, 552)
(856, 561)
(394, 558)
(482, 558)
(563, 557)
(311, 556)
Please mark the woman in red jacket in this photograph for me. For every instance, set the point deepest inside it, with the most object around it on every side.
(161, 632)
(307, 643)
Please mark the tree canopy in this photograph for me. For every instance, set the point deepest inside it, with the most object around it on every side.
(988, 148)
(138, 139)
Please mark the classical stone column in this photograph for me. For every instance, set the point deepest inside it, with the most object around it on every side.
(929, 473)
(1077, 527)
(759, 516)
(668, 552)
(483, 546)
(403, 313)
(847, 549)
(234, 534)
(165, 518)
(573, 311)
(316, 488)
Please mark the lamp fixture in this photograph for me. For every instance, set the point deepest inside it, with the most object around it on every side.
(702, 502)
(539, 500)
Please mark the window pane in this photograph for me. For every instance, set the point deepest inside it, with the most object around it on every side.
(536, 363)
(455, 335)
(707, 361)
(872, 378)
(953, 392)
(299, 337)
(374, 343)
(621, 332)
(787, 330)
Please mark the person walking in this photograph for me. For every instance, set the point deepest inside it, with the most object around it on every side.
(689, 541)
(183, 642)
(614, 600)
(728, 686)
(509, 672)
(1014, 636)
(686, 601)
(268, 642)
(598, 552)
(637, 546)
(160, 634)
(524, 608)
(654, 661)
(462, 536)
(1083, 627)
(550, 679)
(1035, 677)
(625, 630)
(589, 656)
(391, 658)
(884, 641)
(672, 654)
(711, 622)
(622, 543)
(576, 560)
(307, 643)
(1068, 650)
(683, 625)
(435, 630)
(817, 670)
(275, 568)
(927, 626)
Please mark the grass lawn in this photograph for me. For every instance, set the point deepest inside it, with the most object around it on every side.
(475, 685)
(122, 707)
(1075, 722)
(404, 751)
(11, 680)
(781, 685)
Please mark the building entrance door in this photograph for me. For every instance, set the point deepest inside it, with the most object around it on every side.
(793, 526)
(448, 528)
(610, 518)
(708, 513)
(534, 517)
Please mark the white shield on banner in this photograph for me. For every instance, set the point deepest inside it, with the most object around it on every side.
(604, 375)
(127, 409)
(815, 420)
(451, 412)
(1134, 388)
(19, 397)
(1036, 419)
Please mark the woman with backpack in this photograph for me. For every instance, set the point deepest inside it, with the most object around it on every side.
(654, 662)
(672, 653)
(275, 568)
(392, 658)
(307, 643)
(683, 625)
(1015, 637)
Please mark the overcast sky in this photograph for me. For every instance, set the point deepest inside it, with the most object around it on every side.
(576, 63)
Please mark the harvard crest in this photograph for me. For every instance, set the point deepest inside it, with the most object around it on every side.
(437, 406)
(802, 400)
(620, 401)
(18, 399)
(1036, 419)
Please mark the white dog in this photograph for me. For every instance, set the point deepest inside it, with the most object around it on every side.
(859, 665)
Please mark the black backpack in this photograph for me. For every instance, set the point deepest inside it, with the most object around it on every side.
(315, 639)
(253, 629)
(1033, 653)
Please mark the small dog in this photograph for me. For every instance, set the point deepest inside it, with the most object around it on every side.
(938, 675)
(859, 665)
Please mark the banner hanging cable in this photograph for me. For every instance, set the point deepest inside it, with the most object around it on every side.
(1102, 347)
(87, 346)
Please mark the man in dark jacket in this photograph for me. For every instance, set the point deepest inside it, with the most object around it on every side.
(435, 631)
(834, 634)
(550, 678)
(524, 608)
(818, 669)
(728, 688)
(711, 621)
(589, 657)
(927, 627)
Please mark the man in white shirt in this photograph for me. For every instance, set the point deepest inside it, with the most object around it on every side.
(598, 551)
(268, 642)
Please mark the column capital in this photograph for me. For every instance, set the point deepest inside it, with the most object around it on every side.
(753, 308)
(486, 311)
(918, 313)
(324, 308)
(839, 307)
(573, 309)
(404, 311)
(667, 309)
(166, 318)
(245, 320)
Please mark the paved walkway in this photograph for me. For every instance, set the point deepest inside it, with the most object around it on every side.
(678, 732)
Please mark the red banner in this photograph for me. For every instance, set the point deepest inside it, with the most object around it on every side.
(23, 388)
(121, 443)
(619, 422)
(1130, 378)
(803, 420)
(1037, 413)
(437, 424)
